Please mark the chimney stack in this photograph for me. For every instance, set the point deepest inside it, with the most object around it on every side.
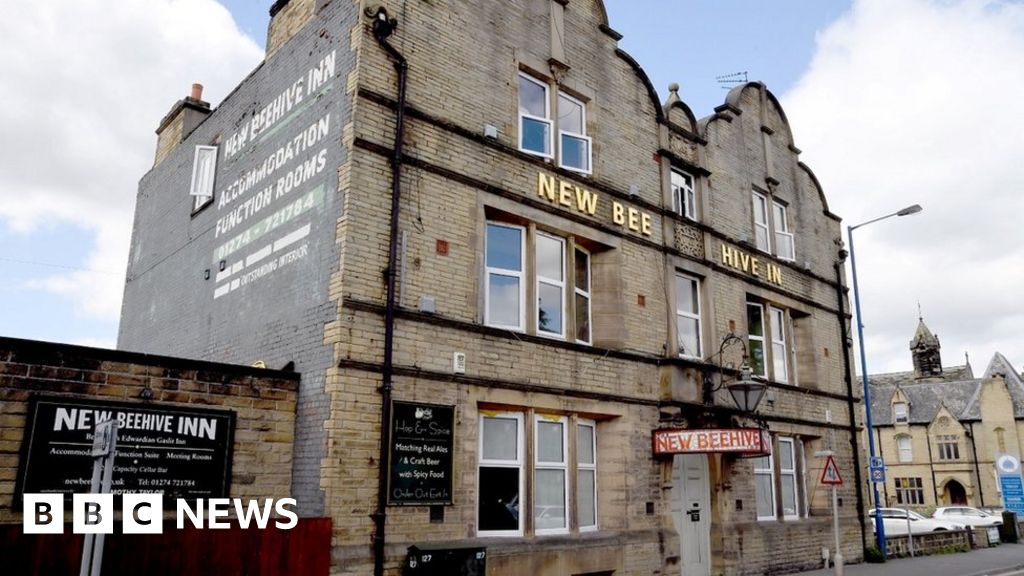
(183, 118)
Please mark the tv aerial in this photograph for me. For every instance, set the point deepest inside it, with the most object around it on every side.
(729, 81)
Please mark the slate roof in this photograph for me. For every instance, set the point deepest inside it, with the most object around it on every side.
(958, 394)
(949, 374)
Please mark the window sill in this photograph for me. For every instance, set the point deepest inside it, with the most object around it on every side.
(576, 170)
(206, 205)
(510, 543)
(537, 154)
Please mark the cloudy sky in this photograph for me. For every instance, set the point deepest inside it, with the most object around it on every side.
(894, 102)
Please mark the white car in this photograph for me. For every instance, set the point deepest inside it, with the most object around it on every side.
(895, 522)
(967, 516)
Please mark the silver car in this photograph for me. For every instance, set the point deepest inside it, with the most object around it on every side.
(895, 522)
(967, 516)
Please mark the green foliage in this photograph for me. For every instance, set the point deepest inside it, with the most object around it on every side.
(954, 549)
(873, 555)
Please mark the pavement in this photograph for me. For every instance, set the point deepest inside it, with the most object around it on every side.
(1002, 560)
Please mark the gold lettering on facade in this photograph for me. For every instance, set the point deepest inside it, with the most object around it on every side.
(618, 213)
(586, 201)
(728, 256)
(744, 262)
(634, 219)
(565, 193)
(546, 186)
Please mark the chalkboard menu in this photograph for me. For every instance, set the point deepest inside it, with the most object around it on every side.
(422, 441)
(176, 451)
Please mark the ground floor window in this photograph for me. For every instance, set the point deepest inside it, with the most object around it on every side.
(780, 485)
(909, 491)
(500, 485)
(561, 472)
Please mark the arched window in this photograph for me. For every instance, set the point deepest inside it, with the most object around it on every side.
(905, 449)
(1001, 439)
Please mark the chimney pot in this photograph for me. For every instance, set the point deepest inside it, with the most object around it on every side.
(197, 92)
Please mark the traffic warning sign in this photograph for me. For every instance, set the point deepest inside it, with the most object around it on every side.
(830, 475)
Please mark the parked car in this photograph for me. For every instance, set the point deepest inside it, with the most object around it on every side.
(993, 511)
(967, 516)
(894, 520)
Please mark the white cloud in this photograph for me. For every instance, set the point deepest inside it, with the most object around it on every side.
(916, 101)
(85, 85)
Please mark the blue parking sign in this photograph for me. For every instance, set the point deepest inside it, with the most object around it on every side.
(878, 474)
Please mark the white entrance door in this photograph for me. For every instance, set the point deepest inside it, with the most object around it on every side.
(691, 503)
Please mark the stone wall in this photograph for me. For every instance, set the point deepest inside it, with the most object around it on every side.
(263, 402)
(931, 543)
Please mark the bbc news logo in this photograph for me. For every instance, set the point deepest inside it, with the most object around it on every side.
(143, 513)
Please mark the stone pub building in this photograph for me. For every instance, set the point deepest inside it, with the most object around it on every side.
(501, 266)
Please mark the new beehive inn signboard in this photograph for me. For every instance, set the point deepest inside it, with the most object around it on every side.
(179, 452)
(747, 441)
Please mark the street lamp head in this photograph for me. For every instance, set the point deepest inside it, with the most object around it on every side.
(746, 392)
(910, 210)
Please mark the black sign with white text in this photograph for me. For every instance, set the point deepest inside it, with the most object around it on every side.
(422, 440)
(175, 451)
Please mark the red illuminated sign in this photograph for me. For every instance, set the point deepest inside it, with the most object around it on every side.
(749, 441)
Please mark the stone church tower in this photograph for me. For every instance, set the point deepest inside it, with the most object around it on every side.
(925, 350)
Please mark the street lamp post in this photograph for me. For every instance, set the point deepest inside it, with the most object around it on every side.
(879, 526)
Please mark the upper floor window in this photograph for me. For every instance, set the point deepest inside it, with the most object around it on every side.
(534, 117)
(550, 285)
(900, 413)
(688, 316)
(204, 167)
(1000, 439)
(582, 292)
(784, 245)
(537, 124)
(903, 443)
(684, 198)
(768, 342)
(554, 307)
(949, 447)
(762, 236)
(769, 215)
(573, 143)
(779, 356)
(505, 264)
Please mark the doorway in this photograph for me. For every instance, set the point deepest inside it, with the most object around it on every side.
(956, 494)
(691, 512)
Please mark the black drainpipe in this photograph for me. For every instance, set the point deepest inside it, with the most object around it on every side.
(931, 464)
(977, 470)
(851, 405)
(383, 27)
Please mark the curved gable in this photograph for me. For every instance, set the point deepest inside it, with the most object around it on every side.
(651, 92)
